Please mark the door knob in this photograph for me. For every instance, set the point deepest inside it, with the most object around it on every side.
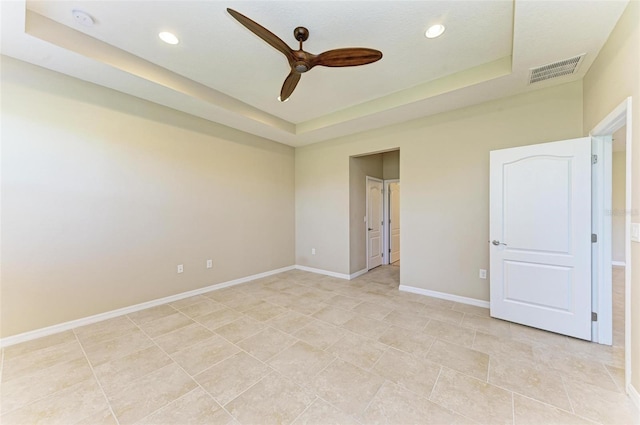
(496, 243)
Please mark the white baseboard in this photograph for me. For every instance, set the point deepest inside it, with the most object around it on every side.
(50, 330)
(358, 273)
(445, 296)
(634, 396)
(619, 263)
(324, 272)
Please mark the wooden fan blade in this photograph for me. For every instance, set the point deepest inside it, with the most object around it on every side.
(289, 85)
(263, 33)
(350, 56)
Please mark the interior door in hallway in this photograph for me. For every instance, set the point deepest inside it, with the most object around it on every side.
(540, 231)
(374, 222)
(394, 222)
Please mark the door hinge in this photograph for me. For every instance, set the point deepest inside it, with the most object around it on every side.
(594, 238)
(594, 159)
(594, 316)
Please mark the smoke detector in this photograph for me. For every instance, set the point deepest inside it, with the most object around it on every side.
(556, 69)
(82, 18)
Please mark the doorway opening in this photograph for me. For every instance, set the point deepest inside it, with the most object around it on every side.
(370, 237)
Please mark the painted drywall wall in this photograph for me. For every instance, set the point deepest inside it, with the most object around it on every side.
(103, 195)
(391, 165)
(359, 169)
(618, 206)
(445, 185)
(614, 76)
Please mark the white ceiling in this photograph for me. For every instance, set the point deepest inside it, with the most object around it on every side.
(222, 72)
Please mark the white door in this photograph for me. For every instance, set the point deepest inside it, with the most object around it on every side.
(394, 221)
(374, 222)
(540, 230)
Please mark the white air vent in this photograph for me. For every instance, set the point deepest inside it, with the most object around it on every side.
(556, 69)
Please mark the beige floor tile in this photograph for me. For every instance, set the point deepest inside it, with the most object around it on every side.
(606, 354)
(406, 320)
(273, 400)
(38, 360)
(231, 377)
(471, 309)
(150, 393)
(366, 326)
(319, 334)
(322, 413)
(600, 405)
(415, 342)
(267, 343)
(413, 373)
(502, 346)
(487, 325)
(532, 412)
(196, 407)
(226, 294)
(472, 398)
(218, 318)
(535, 336)
(26, 389)
(282, 299)
(520, 376)
(185, 302)
(358, 350)
(301, 362)
(465, 360)
(437, 302)
(104, 417)
(450, 332)
(265, 311)
(165, 324)
(344, 302)
(577, 368)
(240, 329)
(372, 310)
(116, 348)
(333, 315)
(68, 406)
(201, 308)
(306, 307)
(290, 322)
(105, 330)
(406, 305)
(617, 374)
(396, 405)
(151, 314)
(443, 315)
(244, 303)
(196, 358)
(38, 344)
(117, 374)
(346, 386)
(183, 338)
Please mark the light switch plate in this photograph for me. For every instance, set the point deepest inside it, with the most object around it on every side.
(635, 232)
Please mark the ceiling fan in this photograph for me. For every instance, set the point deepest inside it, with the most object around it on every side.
(301, 61)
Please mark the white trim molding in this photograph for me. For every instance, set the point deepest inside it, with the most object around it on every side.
(445, 296)
(356, 274)
(324, 272)
(61, 327)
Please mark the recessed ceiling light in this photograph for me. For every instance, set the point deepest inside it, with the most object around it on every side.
(286, 100)
(434, 31)
(168, 37)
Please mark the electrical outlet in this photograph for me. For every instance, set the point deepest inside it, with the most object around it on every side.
(313, 251)
(635, 232)
(482, 274)
(209, 264)
(180, 268)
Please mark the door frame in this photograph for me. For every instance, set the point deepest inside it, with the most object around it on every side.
(366, 218)
(616, 119)
(387, 220)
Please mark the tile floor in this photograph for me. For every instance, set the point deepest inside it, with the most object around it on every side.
(309, 349)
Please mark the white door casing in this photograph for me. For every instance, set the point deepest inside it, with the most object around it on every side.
(394, 221)
(540, 228)
(374, 222)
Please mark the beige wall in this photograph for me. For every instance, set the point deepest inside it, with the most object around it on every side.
(359, 169)
(613, 77)
(445, 185)
(104, 194)
(618, 206)
(391, 165)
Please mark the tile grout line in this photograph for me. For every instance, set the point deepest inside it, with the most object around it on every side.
(93, 372)
(513, 409)
(435, 384)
